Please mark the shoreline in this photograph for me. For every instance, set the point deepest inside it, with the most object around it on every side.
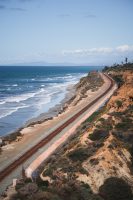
(57, 109)
(43, 117)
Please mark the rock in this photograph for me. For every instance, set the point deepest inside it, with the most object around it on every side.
(14, 182)
(7, 142)
(1, 142)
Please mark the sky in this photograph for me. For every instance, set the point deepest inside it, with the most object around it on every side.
(89, 32)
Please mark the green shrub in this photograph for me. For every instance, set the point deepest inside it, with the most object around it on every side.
(83, 171)
(28, 180)
(96, 115)
(98, 134)
(118, 103)
(116, 189)
(119, 80)
(98, 144)
(78, 155)
(124, 125)
(75, 190)
(94, 161)
(102, 119)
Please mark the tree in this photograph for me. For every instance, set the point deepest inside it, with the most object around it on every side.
(126, 59)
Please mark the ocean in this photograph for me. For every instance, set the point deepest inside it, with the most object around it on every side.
(27, 92)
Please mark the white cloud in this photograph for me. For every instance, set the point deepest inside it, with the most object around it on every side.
(99, 51)
(124, 48)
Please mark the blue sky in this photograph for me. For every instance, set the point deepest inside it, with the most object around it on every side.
(92, 32)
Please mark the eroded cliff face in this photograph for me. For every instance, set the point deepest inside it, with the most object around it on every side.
(111, 160)
(124, 95)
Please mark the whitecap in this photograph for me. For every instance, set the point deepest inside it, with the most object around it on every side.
(22, 97)
(2, 102)
(10, 111)
(15, 85)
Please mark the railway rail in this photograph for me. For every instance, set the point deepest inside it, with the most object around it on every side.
(19, 161)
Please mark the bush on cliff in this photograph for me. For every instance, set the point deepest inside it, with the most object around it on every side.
(118, 103)
(116, 189)
(98, 134)
(79, 154)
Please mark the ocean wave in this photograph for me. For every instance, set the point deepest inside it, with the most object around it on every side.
(15, 85)
(57, 78)
(7, 112)
(2, 102)
(22, 97)
(17, 99)
(42, 102)
(43, 91)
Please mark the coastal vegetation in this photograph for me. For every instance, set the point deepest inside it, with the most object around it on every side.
(116, 189)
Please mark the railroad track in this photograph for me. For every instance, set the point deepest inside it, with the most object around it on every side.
(19, 161)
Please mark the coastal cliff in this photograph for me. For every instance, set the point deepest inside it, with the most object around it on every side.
(89, 83)
(97, 163)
